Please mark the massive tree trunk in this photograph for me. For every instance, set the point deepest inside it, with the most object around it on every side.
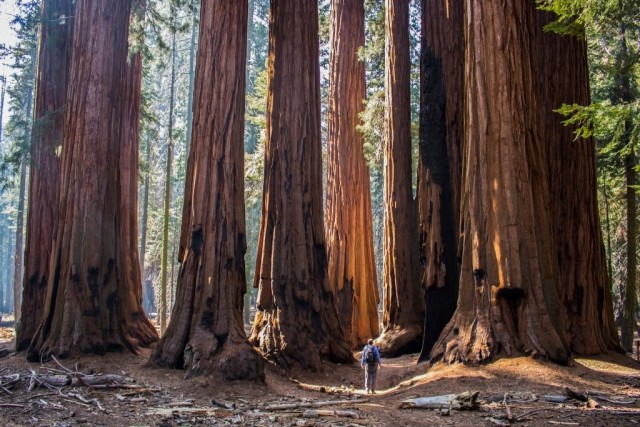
(349, 226)
(53, 74)
(572, 178)
(510, 296)
(297, 320)
(93, 301)
(403, 302)
(206, 331)
(441, 130)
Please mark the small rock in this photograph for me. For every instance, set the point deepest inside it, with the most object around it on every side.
(445, 412)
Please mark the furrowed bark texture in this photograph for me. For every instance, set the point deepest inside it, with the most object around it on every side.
(441, 130)
(297, 320)
(51, 95)
(403, 303)
(93, 304)
(510, 295)
(564, 79)
(349, 225)
(206, 332)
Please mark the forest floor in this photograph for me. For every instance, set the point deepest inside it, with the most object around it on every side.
(161, 397)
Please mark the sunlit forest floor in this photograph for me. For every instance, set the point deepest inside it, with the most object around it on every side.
(161, 397)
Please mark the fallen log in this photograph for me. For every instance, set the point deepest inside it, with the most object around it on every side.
(317, 413)
(462, 401)
(301, 405)
(555, 398)
(576, 395)
(201, 411)
(101, 380)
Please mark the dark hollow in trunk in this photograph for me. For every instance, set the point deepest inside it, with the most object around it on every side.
(441, 128)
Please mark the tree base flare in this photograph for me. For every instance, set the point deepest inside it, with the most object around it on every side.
(235, 362)
(398, 341)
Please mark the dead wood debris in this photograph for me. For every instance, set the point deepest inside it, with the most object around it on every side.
(299, 405)
(463, 401)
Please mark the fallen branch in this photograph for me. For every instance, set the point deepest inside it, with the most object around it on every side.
(317, 413)
(301, 405)
(181, 404)
(533, 411)
(11, 405)
(555, 398)
(53, 383)
(83, 399)
(139, 390)
(102, 381)
(508, 409)
(632, 413)
(191, 411)
(615, 402)
(563, 423)
(576, 395)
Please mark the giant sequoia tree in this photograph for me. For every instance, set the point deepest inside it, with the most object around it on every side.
(92, 302)
(349, 226)
(297, 320)
(403, 297)
(572, 179)
(53, 73)
(510, 295)
(206, 331)
(441, 129)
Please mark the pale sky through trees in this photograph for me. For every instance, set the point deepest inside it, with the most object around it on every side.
(7, 10)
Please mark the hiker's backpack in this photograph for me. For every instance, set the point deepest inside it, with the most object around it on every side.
(370, 357)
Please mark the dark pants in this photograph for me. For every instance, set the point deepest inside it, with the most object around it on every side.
(370, 373)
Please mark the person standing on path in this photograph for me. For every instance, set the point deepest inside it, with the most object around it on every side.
(370, 362)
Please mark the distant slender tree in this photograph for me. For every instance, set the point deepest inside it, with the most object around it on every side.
(3, 91)
(623, 93)
(439, 165)
(168, 171)
(2, 257)
(297, 320)
(571, 168)
(349, 226)
(206, 330)
(21, 126)
(93, 303)
(510, 295)
(403, 302)
(50, 100)
(18, 258)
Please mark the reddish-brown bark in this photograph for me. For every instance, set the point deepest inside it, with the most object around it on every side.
(297, 320)
(93, 304)
(441, 130)
(53, 74)
(403, 303)
(206, 331)
(349, 226)
(510, 294)
(564, 79)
